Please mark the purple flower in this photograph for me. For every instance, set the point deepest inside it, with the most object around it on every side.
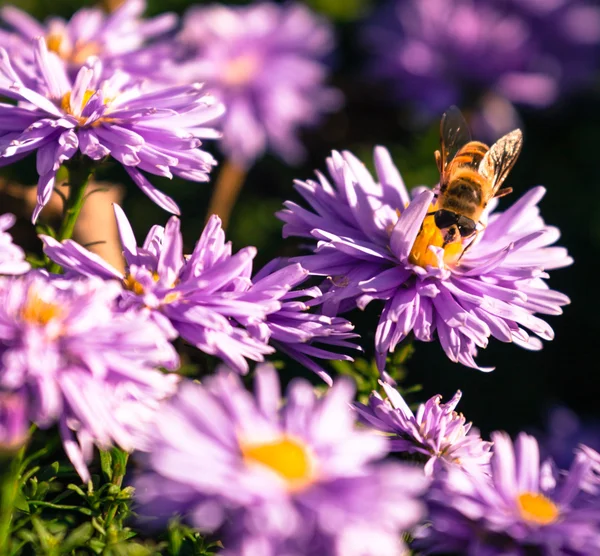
(374, 242)
(565, 430)
(81, 363)
(292, 479)
(437, 431)
(264, 62)
(118, 39)
(489, 54)
(593, 458)
(521, 508)
(567, 35)
(14, 426)
(12, 257)
(157, 131)
(207, 297)
(294, 330)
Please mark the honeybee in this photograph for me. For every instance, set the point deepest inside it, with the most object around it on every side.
(471, 174)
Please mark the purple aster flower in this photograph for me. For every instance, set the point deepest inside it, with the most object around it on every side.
(436, 431)
(264, 62)
(157, 131)
(12, 257)
(293, 479)
(14, 426)
(520, 508)
(296, 331)
(488, 54)
(118, 38)
(374, 242)
(81, 363)
(207, 297)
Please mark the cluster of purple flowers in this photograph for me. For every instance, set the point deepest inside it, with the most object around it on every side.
(91, 351)
(210, 298)
(121, 85)
(490, 55)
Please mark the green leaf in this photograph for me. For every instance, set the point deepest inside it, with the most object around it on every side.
(78, 537)
(49, 472)
(21, 502)
(106, 463)
(47, 540)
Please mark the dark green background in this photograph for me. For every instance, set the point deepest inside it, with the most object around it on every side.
(560, 152)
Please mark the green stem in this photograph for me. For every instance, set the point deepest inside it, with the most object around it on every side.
(119, 468)
(9, 483)
(80, 172)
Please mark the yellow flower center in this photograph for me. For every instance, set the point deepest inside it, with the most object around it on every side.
(65, 102)
(430, 234)
(536, 508)
(38, 311)
(240, 70)
(288, 457)
(54, 42)
(78, 54)
(131, 284)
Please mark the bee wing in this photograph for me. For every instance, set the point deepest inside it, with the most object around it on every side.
(498, 161)
(454, 134)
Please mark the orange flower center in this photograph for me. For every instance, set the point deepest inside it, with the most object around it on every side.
(131, 284)
(288, 457)
(240, 70)
(78, 54)
(37, 311)
(65, 102)
(536, 508)
(430, 234)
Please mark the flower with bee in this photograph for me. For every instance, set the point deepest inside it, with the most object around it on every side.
(376, 242)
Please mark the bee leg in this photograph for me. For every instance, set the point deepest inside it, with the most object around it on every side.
(503, 191)
(477, 232)
(468, 245)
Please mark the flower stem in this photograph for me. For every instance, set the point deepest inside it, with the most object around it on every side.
(225, 194)
(119, 460)
(80, 172)
(9, 485)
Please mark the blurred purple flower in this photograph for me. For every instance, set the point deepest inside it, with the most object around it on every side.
(294, 330)
(12, 257)
(82, 364)
(487, 55)
(118, 38)
(374, 242)
(521, 508)
(14, 425)
(436, 431)
(593, 458)
(158, 131)
(567, 37)
(293, 479)
(264, 61)
(203, 297)
(564, 432)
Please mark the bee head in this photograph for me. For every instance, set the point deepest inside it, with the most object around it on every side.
(454, 226)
